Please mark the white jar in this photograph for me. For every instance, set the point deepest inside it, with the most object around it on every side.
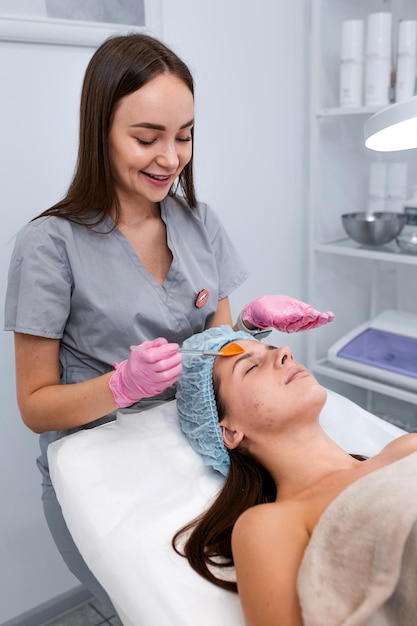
(351, 64)
(378, 59)
(406, 60)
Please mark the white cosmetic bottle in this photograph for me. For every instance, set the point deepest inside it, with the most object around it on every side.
(407, 239)
(410, 208)
(406, 60)
(397, 183)
(378, 59)
(377, 187)
(351, 64)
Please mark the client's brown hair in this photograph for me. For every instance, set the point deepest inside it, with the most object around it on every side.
(208, 542)
(207, 539)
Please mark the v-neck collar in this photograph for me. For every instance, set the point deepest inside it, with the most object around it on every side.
(112, 228)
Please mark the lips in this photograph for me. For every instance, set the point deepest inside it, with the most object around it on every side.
(296, 371)
(156, 176)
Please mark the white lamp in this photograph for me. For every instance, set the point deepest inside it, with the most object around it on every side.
(394, 128)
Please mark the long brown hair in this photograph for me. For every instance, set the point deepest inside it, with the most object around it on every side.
(206, 540)
(120, 66)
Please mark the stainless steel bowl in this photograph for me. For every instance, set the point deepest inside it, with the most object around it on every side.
(408, 242)
(374, 230)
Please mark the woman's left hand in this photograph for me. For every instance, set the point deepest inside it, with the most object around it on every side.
(284, 314)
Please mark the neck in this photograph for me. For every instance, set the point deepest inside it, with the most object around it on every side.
(134, 215)
(302, 460)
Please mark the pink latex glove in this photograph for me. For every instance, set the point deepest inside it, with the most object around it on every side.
(284, 314)
(146, 372)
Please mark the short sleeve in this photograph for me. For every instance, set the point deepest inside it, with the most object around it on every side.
(39, 284)
(231, 269)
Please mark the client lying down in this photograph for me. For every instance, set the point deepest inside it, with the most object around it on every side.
(316, 535)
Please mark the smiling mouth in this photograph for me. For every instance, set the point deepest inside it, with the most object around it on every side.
(159, 178)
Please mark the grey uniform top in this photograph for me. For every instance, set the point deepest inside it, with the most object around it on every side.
(88, 289)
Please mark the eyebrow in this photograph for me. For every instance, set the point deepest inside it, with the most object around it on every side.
(248, 355)
(159, 126)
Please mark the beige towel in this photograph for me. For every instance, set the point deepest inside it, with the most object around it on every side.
(360, 567)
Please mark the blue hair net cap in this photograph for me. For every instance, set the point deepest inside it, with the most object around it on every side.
(196, 402)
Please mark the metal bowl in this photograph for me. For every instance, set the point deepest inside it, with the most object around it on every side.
(408, 242)
(375, 229)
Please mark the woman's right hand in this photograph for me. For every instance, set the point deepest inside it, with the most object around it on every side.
(47, 404)
(147, 372)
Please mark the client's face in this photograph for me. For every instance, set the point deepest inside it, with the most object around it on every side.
(264, 388)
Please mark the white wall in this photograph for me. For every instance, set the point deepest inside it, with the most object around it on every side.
(250, 65)
(249, 61)
(38, 108)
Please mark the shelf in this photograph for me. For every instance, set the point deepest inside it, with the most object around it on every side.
(345, 111)
(369, 279)
(347, 247)
(325, 368)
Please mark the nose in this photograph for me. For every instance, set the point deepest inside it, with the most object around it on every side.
(168, 157)
(284, 355)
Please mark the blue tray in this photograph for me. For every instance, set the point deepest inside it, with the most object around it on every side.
(388, 351)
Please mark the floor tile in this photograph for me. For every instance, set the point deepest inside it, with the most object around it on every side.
(115, 621)
(86, 615)
(102, 609)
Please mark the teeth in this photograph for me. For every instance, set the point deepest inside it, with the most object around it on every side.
(158, 177)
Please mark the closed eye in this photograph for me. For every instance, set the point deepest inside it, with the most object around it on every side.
(251, 368)
(142, 142)
(249, 355)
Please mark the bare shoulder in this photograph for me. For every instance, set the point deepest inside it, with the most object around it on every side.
(400, 447)
(267, 512)
(268, 543)
(273, 521)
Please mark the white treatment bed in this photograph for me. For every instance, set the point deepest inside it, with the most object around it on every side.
(127, 486)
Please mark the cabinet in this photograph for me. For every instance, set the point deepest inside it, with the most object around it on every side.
(355, 282)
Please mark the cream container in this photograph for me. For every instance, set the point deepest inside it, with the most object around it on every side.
(351, 63)
(378, 59)
(406, 60)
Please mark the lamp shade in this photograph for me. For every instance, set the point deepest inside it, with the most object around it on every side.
(394, 128)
